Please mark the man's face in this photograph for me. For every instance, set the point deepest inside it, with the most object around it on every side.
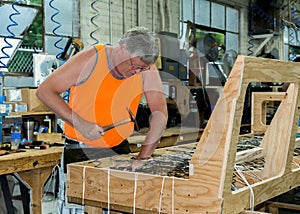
(130, 65)
(137, 65)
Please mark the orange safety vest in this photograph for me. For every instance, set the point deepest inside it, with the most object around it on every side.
(103, 99)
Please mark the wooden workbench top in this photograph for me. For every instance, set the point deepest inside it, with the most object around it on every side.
(29, 159)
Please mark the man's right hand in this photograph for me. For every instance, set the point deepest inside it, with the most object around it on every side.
(89, 130)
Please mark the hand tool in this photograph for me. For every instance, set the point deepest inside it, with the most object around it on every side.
(113, 125)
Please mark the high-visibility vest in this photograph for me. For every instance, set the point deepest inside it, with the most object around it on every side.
(103, 99)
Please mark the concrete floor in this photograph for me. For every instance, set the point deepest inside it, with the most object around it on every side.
(49, 206)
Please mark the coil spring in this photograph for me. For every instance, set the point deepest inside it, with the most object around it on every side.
(251, 26)
(94, 23)
(57, 11)
(292, 36)
(266, 16)
(250, 44)
(66, 96)
(296, 19)
(295, 16)
(11, 34)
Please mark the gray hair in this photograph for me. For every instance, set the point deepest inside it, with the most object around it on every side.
(142, 43)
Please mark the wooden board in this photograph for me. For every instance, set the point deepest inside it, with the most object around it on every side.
(259, 111)
(49, 138)
(172, 136)
(212, 167)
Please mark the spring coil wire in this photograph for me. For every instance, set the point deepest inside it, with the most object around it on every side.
(65, 94)
(94, 23)
(11, 34)
(251, 26)
(57, 11)
(293, 31)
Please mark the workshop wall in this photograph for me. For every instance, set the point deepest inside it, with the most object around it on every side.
(105, 20)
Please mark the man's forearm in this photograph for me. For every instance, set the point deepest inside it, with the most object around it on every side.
(158, 123)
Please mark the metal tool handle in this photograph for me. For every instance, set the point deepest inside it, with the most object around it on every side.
(111, 126)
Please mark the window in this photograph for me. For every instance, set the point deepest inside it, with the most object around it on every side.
(214, 18)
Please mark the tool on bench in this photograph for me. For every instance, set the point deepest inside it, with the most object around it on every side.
(36, 144)
(113, 125)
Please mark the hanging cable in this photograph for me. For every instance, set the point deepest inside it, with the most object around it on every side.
(296, 19)
(57, 11)
(295, 16)
(94, 23)
(59, 56)
(292, 37)
(292, 54)
(251, 26)
(11, 34)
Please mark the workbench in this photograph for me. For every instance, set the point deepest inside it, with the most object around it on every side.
(34, 167)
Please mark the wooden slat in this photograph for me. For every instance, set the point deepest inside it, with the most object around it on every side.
(249, 155)
(283, 205)
(252, 212)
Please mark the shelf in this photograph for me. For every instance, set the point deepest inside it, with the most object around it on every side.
(18, 116)
(29, 113)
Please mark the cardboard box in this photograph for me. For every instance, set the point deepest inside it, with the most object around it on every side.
(13, 94)
(6, 107)
(20, 107)
(33, 103)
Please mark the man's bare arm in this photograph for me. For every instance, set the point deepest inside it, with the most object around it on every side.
(71, 73)
(159, 115)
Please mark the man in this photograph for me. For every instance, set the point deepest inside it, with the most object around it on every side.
(105, 81)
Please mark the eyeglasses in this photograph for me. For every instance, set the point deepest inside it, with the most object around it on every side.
(139, 68)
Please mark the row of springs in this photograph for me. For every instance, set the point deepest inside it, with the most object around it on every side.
(11, 34)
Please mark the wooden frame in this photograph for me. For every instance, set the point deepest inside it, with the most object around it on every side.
(208, 188)
(259, 109)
